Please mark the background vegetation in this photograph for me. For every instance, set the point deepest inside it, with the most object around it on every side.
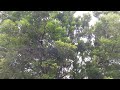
(49, 45)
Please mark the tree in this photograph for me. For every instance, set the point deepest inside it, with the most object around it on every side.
(107, 35)
(51, 45)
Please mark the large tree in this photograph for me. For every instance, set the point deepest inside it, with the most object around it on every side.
(51, 45)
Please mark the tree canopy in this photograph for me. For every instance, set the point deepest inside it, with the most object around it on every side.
(51, 45)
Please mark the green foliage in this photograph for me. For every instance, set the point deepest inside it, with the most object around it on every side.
(55, 30)
(50, 45)
(66, 50)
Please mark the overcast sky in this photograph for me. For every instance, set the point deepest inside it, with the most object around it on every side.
(92, 22)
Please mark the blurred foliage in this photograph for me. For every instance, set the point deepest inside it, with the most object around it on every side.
(57, 45)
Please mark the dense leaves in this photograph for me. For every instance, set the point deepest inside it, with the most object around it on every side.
(57, 45)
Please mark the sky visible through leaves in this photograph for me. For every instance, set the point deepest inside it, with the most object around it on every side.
(80, 13)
